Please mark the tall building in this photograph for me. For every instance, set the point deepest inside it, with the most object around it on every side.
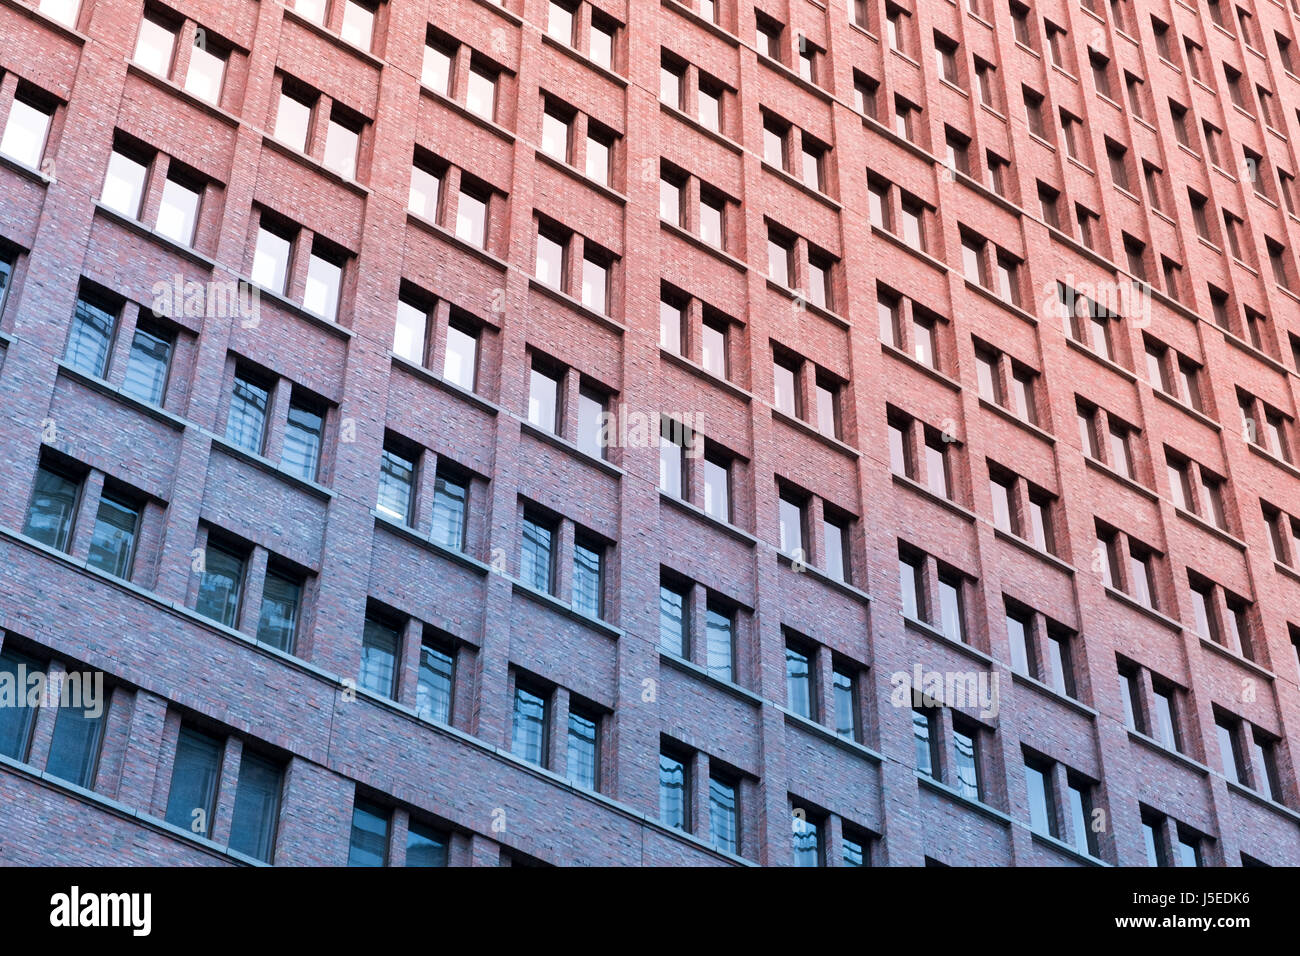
(643, 432)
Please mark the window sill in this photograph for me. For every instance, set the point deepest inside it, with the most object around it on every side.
(712, 134)
(136, 226)
(500, 8)
(802, 186)
(406, 531)
(113, 391)
(27, 172)
(297, 308)
(937, 498)
(1287, 571)
(1130, 483)
(921, 254)
(993, 297)
(797, 297)
(1017, 421)
(1263, 801)
(813, 432)
(1060, 846)
(565, 299)
(585, 60)
(430, 376)
(795, 78)
(739, 534)
(1201, 417)
(578, 175)
(1052, 694)
(333, 38)
(820, 575)
(490, 125)
(920, 366)
(45, 20)
(1244, 346)
(690, 667)
(925, 780)
(268, 466)
(1029, 548)
(1100, 359)
(313, 164)
(691, 239)
(550, 438)
(707, 24)
(175, 89)
(447, 235)
(701, 372)
(1150, 743)
(563, 607)
(1206, 526)
(1269, 456)
(1137, 605)
(1240, 660)
(821, 730)
(961, 647)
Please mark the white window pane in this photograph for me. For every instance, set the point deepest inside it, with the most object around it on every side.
(271, 261)
(313, 10)
(559, 24)
(461, 359)
(598, 161)
(291, 121)
(205, 75)
(423, 198)
(555, 137)
(542, 392)
(408, 335)
(65, 11)
(321, 296)
(436, 72)
(358, 25)
(550, 261)
(595, 282)
(123, 185)
(341, 150)
(178, 213)
(480, 97)
(25, 132)
(471, 219)
(602, 47)
(153, 47)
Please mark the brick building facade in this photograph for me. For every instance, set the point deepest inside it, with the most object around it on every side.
(943, 341)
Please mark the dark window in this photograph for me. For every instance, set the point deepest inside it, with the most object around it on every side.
(674, 617)
(434, 685)
(799, 681)
(91, 336)
(426, 845)
(965, 760)
(281, 602)
(221, 586)
(720, 633)
(146, 368)
(450, 496)
(396, 484)
(846, 704)
(368, 845)
(588, 578)
(528, 736)
(193, 794)
(379, 644)
(74, 749)
(923, 734)
(257, 807)
(1042, 801)
(723, 814)
(807, 835)
(52, 508)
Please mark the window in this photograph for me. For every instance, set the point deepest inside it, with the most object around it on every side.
(1020, 643)
(672, 436)
(246, 420)
(436, 68)
(324, 281)
(536, 560)
(543, 399)
(302, 440)
(550, 261)
(835, 537)
(52, 508)
(845, 698)
(449, 511)
(555, 135)
(379, 645)
(595, 283)
(1134, 718)
(588, 578)
(674, 626)
(25, 133)
(938, 478)
(528, 734)
(1229, 749)
(396, 483)
(460, 363)
(91, 336)
(808, 850)
(271, 260)
(1042, 797)
(799, 681)
(1034, 112)
(671, 81)
(719, 626)
(711, 221)
(472, 216)
(368, 844)
(481, 92)
(257, 807)
(1166, 717)
(434, 683)
(426, 845)
(281, 602)
(75, 745)
(911, 578)
(601, 43)
(113, 541)
(425, 190)
(723, 814)
(925, 740)
(342, 139)
(583, 763)
(779, 253)
(791, 514)
(221, 586)
(717, 488)
(951, 611)
(191, 800)
(124, 184)
(670, 326)
(16, 722)
(178, 211)
(674, 791)
(559, 23)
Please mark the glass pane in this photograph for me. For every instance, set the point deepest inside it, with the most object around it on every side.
(586, 581)
(595, 286)
(341, 149)
(1040, 812)
(409, 332)
(543, 392)
(836, 559)
(112, 545)
(153, 47)
(480, 96)
(123, 185)
(436, 70)
(461, 361)
(672, 792)
(449, 498)
(321, 296)
(278, 622)
(292, 120)
(194, 782)
(807, 840)
(257, 807)
(74, 749)
(716, 491)
(471, 219)
(271, 261)
(535, 558)
(582, 750)
(178, 212)
(923, 741)
(246, 423)
(205, 76)
(845, 707)
(358, 25)
(426, 846)
(368, 845)
(434, 685)
(90, 338)
(598, 160)
(591, 424)
(529, 733)
(720, 645)
(25, 132)
(16, 722)
(722, 815)
(53, 505)
(302, 442)
(550, 262)
(378, 658)
(672, 621)
(220, 587)
(798, 682)
(714, 350)
(422, 198)
(396, 477)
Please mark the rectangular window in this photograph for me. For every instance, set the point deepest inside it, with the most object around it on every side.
(1021, 645)
(341, 144)
(460, 364)
(191, 800)
(910, 580)
(91, 338)
(124, 185)
(112, 543)
(584, 748)
(324, 281)
(807, 836)
(148, 364)
(424, 192)
(536, 563)
(246, 420)
(674, 792)
(719, 629)
(271, 260)
(965, 761)
(472, 217)
(379, 646)
(302, 441)
(281, 603)
(723, 815)
(16, 722)
(713, 347)
(550, 261)
(674, 630)
(222, 585)
(426, 845)
(449, 512)
(257, 807)
(52, 508)
(1042, 802)
(368, 844)
(923, 736)
(528, 734)
(799, 682)
(74, 747)
(396, 485)
(588, 578)
(434, 683)
(835, 539)
(481, 93)
(717, 497)
(25, 133)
